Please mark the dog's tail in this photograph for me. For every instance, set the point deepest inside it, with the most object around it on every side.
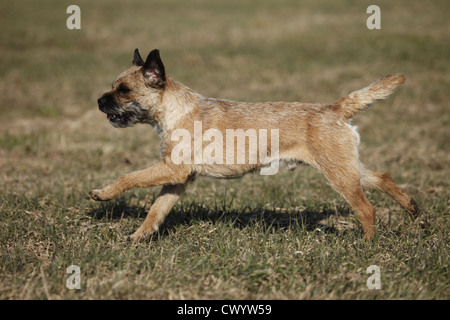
(361, 99)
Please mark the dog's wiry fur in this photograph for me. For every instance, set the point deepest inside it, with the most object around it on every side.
(315, 134)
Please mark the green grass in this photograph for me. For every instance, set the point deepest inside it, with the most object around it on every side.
(289, 236)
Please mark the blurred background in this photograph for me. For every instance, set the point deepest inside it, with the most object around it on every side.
(55, 145)
(310, 51)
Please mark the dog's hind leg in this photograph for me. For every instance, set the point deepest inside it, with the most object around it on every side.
(336, 157)
(346, 182)
(384, 183)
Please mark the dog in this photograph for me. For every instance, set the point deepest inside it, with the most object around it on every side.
(318, 135)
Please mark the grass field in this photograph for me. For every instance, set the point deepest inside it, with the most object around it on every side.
(288, 236)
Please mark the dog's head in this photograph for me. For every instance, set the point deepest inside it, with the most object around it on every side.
(136, 93)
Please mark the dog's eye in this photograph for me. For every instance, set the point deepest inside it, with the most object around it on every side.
(123, 89)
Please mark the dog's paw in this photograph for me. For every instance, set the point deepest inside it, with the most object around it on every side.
(140, 235)
(98, 195)
(137, 237)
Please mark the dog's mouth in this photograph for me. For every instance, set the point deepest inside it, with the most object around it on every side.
(113, 117)
(117, 120)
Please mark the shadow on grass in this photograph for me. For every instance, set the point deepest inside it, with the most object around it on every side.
(187, 214)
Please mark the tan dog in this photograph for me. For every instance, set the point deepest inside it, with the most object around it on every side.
(314, 134)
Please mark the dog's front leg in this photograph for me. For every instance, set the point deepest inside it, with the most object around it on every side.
(160, 209)
(159, 174)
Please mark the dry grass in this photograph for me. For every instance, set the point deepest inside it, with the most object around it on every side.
(283, 237)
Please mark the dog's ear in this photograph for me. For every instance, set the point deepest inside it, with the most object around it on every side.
(153, 69)
(137, 59)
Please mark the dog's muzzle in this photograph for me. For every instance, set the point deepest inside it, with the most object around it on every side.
(113, 114)
(121, 116)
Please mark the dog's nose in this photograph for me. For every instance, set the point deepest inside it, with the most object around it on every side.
(100, 102)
